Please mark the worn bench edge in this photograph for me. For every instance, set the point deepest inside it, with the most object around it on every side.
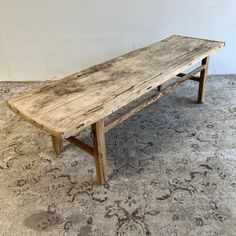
(33, 121)
(205, 39)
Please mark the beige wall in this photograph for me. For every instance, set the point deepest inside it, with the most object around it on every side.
(49, 39)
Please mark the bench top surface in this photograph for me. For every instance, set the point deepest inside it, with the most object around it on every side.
(67, 106)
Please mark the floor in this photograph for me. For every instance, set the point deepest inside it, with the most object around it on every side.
(172, 171)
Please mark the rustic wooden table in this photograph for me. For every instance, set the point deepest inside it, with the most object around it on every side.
(84, 99)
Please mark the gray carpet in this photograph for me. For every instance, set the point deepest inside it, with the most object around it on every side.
(172, 171)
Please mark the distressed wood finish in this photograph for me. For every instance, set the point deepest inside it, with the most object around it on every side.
(194, 78)
(98, 134)
(73, 103)
(81, 145)
(57, 144)
(202, 80)
(153, 99)
(84, 99)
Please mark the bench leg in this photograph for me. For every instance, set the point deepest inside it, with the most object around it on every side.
(57, 144)
(202, 81)
(100, 151)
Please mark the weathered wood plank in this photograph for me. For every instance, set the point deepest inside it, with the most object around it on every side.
(73, 103)
(40, 124)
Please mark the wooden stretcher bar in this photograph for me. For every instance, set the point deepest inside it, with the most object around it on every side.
(194, 78)
(81, 145)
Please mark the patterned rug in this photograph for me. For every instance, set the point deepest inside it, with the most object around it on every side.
(172, 171)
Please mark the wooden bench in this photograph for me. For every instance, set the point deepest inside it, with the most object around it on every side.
(84, 99)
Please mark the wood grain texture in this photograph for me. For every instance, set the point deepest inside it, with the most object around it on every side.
(100, 152)
(202, 80)
(85, 147)
(194, 78)
(57, 144)
(73, 103)
(153, 98)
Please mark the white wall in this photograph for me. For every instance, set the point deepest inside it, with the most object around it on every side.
(49, 39)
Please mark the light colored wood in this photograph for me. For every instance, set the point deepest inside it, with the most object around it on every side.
(100, 151)
(85, 147)
(27, 117)
(202, 81)
(65, 108)
(154, 98)
(57, 144)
